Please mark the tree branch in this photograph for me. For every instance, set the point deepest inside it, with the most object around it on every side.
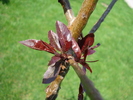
(82, 18)
(67, 11)
(87, 84)
(53, 89)
(75, 26)
(101, 19)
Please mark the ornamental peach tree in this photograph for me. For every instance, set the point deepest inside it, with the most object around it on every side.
(68, 51)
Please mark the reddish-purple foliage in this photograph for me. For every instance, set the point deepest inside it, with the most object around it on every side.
(38, 45)
(62, 41)
(64, 35)
(54, 40)
(65, 44)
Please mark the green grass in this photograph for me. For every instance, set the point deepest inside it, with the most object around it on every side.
(21, 68)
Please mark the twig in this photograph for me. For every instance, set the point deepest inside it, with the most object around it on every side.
(67, 11)
(97, 25)
(87, 84)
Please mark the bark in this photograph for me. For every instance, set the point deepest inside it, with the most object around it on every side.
(53, 89)
(81, 20)
(101, 19)
(87, 84)
(67, 11)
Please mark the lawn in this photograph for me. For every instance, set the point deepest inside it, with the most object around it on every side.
(21, 68)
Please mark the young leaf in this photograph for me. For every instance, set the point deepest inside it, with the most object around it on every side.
(38, 45)
(51, 73)
(64, 35)
(54, 40)
(88, 41)
(95, 46)
(90, 51)
(84, 64)
(53, 60)
(76, 49)
(87, 66)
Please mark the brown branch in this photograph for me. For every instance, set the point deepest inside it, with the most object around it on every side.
(81, 20)
(87, 84)
(67, 11)
(53, 89)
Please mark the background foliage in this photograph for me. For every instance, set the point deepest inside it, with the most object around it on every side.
(21, 68)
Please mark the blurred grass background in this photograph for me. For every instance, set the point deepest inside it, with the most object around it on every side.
(21, 68)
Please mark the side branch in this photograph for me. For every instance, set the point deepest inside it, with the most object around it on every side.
(87, 84)
(97, 25)
(81, 20)
(67, 11)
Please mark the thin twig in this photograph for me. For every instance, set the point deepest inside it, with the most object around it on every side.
(67, 11)
(87, 84)
(97, 25)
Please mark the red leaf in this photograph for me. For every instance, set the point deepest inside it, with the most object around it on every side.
(38, 45)
(76, 49)
(93, 61)
(64, 35)
(53, 60)
(51, 73)
(54, 40)
(95, 46)
(90, 51)
(87, 66)
(84, 64)
(85, 54)
(88, 41)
